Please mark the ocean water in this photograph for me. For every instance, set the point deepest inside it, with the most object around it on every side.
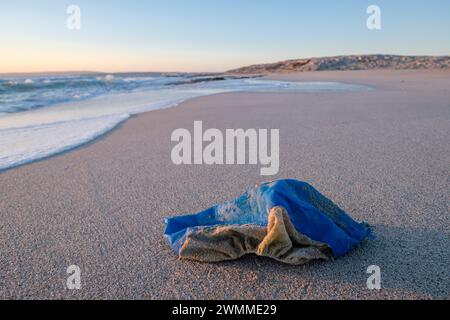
(44, 115)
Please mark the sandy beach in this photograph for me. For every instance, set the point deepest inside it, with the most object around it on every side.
(382, 155)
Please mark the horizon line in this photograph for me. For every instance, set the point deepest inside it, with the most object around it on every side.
(67, 72)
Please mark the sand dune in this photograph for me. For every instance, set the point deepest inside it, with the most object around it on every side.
(351, 62)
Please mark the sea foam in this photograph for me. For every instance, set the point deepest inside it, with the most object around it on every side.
(22, 145)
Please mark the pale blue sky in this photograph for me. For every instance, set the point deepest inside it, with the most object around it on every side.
(210, 35)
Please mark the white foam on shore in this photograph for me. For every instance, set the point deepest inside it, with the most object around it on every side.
(23, 145)
(39, 133)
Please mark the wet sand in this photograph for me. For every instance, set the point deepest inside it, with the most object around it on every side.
(382, 155)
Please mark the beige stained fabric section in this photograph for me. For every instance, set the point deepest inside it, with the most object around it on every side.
(279, 240)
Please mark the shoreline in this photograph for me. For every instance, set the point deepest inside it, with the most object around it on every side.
(144, 98)
(313, 76)
(380, 155)
(70, 149)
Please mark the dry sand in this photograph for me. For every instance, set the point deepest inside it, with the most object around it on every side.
(383, 156)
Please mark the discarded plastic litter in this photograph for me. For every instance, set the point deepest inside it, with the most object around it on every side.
(287, 220)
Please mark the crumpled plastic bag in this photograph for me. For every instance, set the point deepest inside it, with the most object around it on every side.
(287, 220)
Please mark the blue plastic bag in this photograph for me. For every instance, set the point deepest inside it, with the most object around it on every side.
(311, 213)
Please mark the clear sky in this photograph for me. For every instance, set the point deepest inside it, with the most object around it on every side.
(210, 35)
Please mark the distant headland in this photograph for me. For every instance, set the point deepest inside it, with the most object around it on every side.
(349, 62)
